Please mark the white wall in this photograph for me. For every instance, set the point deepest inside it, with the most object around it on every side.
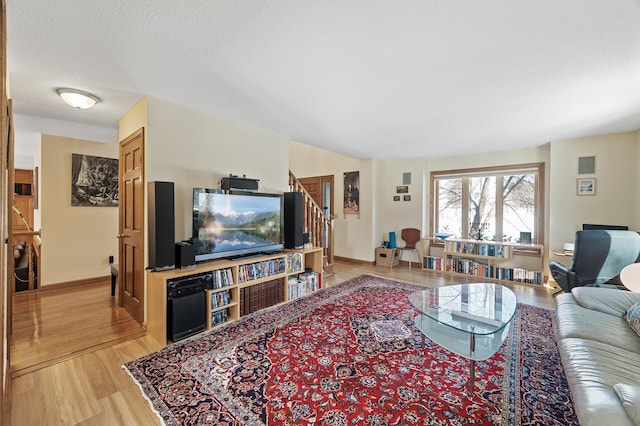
(354, 234)
(616, 199)
(76, 241)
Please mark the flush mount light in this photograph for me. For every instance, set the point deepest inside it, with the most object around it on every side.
(78, 98)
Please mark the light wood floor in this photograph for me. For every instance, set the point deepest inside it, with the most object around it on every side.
(53, 325)
(89, 387)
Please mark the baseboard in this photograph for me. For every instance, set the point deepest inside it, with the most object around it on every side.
(106, 279)
(358, 261)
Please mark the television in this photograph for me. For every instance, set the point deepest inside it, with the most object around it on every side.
(234, 225)
(596, 227)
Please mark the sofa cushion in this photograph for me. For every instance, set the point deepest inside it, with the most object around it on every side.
(575, 321)
(632, 316)
(610, 301)
(630, 397)
(592, 369)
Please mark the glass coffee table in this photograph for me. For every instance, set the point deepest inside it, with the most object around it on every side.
(471, 320)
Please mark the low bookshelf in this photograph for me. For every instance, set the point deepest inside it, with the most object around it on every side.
(492, 260)
(239, 287)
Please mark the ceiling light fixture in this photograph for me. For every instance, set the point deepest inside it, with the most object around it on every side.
(78, 98)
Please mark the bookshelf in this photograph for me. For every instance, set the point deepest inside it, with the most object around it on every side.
(491, 260)
(223, 300)
(239, 287)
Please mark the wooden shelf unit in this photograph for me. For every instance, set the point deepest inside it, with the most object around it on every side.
(156, 318)
(491, 260)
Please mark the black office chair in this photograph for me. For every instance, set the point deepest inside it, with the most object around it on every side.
(598, 258)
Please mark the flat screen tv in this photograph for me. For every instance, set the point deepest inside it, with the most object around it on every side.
(596, 227)
(233, 225)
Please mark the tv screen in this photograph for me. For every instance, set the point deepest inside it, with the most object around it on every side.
(232, 225)
(591, 227)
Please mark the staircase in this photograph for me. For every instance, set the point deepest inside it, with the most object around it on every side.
(314, 221)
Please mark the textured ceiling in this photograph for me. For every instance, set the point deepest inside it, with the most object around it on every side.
(383, 79)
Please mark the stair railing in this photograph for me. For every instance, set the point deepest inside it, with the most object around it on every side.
(315, 222)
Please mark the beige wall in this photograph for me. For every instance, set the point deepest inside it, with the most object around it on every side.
(352, 240)
(192, 148)
(76, 241)
(355, 235)
(37, 162)
(195, 149)
(397, 215)
(616, 198)
(133, 120)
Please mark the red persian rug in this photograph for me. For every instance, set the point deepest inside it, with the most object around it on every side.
(350, 355)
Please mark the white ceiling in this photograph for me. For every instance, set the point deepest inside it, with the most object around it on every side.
(366, 78)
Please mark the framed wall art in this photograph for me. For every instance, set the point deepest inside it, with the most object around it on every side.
(94, 181)
(351, 193)
(586, 186)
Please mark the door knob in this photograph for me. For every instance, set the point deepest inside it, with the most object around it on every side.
(122, 236)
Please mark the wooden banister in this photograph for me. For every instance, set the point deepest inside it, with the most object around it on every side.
(319, 226)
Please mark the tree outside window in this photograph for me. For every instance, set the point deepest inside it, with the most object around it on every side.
(489, 204)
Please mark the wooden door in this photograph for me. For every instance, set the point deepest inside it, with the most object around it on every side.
(320, 188)
(131, 225)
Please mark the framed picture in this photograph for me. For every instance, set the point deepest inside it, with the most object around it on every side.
(407, 197)
(94, 181)
(586, 186)
(351, 193)
(402, 189)
(396, 198)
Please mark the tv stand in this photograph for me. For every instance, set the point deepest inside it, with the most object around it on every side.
(282, 275)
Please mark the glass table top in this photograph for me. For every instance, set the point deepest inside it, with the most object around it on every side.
(477, 308)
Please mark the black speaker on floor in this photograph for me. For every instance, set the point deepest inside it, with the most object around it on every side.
(185, 255)
(162, 226)
(293, 220)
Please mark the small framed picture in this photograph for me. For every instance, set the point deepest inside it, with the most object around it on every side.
(407, 197)
(396, 198)
(586, 186)
(402, 189)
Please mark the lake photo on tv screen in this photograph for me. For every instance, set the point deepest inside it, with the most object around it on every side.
(231, 222)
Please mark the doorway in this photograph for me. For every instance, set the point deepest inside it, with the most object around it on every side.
(320, 188)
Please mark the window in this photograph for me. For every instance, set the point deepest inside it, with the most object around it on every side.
(492, 204)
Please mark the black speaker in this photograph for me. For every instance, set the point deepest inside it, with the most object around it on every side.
(235, 182)
(293, 220)
(162, 226)
(185, 255)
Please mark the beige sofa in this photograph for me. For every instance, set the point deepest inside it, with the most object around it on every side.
(600, 354)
